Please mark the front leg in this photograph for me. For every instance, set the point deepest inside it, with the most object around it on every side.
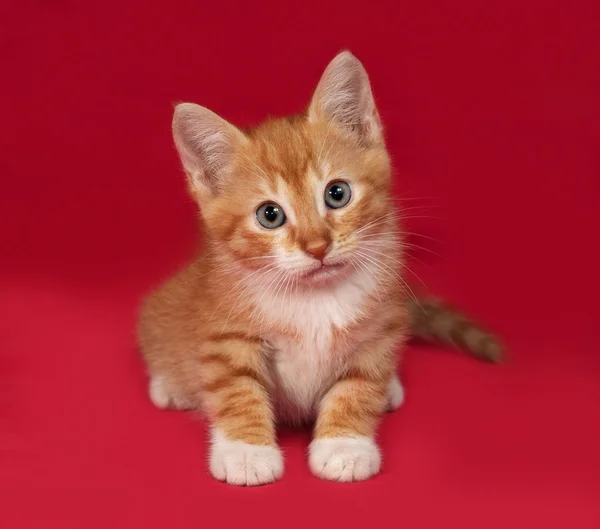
(344, 448)
(234, 381)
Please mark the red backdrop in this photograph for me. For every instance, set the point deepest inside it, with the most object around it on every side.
(493, 119)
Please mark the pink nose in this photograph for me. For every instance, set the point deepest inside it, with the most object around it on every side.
(317, 250)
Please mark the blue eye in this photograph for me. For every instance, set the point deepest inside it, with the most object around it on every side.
(270, 215)
(337, 194)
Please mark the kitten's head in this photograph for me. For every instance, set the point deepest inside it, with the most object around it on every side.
(295, 198)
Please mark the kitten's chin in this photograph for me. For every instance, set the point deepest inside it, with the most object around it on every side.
(325, 275)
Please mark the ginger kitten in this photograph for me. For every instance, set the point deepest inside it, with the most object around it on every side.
(296, 308)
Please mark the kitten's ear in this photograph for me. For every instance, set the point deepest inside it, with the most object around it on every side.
(344, 96)
(206, 144)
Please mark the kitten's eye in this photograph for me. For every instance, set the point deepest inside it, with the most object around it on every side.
(270, 215)
(337, 194)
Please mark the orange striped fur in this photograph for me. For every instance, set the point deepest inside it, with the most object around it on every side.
(299, 323)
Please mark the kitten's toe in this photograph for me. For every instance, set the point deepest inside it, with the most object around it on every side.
(395, 394)
(162, 397)
(239, 463)
(344, 458)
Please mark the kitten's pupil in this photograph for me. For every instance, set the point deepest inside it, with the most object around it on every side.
(336, 193)
(271, 213)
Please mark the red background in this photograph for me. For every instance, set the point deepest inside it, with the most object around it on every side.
(493, 120)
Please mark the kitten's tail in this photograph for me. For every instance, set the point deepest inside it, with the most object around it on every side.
(435, 321)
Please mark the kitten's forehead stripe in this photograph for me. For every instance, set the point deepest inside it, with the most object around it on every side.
(284, 148)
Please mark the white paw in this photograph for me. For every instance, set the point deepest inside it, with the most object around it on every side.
(239, 463)
(344, 458)
(162, 398)
(395, 394)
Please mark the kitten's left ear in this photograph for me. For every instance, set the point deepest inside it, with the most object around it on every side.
(344, 96)
(206, 144)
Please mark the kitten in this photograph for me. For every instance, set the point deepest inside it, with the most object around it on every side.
(296, 308)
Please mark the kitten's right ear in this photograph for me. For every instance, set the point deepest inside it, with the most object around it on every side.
(344, 96)
(206, 144)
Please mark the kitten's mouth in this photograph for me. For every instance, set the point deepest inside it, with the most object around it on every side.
(325, 273)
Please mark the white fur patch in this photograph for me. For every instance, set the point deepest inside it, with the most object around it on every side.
(157, 392)
(395, 394)
(239, 463)
(344, 458)
(163, 398)
(306, 366)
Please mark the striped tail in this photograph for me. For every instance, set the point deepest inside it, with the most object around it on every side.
(434, 321)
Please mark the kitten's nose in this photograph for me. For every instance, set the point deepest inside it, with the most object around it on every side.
(318, 249)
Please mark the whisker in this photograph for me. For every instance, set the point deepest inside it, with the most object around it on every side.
(226, 266)
(380, 264)
(400, 263)
(217, 247)
(323, 142)
(242, 288)
(386, 245)
(275, 292)
(256, 165)
(370, 275)
(257, 307)
(422, 236)
(381, 234)
(377, 220)
(412, 245)
(399, 198)
(331, 147)
(412, 208)
(420, 217)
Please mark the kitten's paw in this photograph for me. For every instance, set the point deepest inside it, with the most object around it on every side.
(344, 458)
(162, 398)
(395, 394)
(239, 463)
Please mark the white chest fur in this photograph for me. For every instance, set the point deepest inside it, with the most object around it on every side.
(306, 366)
